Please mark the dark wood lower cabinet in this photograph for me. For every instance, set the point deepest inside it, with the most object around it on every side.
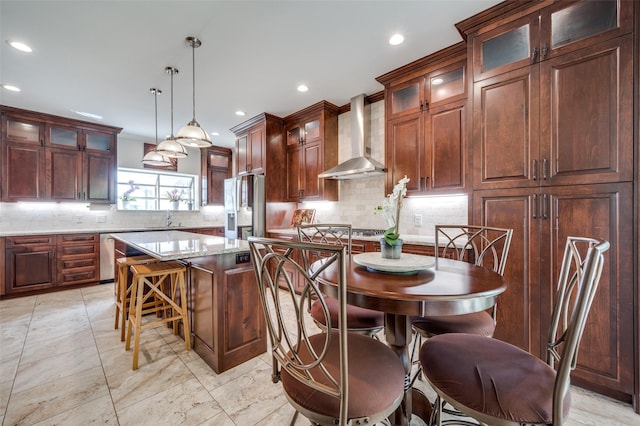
(542, 219)
(30, 263)
(227, 320)
(40, 263)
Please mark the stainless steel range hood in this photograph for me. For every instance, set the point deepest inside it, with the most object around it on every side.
(361, 165)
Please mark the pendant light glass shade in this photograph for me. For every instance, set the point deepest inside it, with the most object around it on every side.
(170, 147)
(192, 134)
(154, 158)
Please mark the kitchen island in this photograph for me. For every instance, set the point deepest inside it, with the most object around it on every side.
(227, 324)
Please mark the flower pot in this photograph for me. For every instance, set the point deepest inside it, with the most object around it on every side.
(126, 204)
(391, 251)
(174, 205)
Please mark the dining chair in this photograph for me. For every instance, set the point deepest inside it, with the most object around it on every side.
(481, 245)
(497, 383)
(333, 377)
(359, 320)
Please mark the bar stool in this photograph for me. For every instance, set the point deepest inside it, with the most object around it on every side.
(123, 287)
(166, 281)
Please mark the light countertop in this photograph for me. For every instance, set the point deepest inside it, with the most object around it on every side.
(173, 245)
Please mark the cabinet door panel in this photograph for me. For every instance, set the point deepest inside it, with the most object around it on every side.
(589, 125)
(23, 173)
(506, 48)
(506, 130)
(99, 178)
(404, 153)
(294, 174)
(65, 171)
(445, 130)
(518, 316)
(312, 167)
(242, 153)
(257, 144)
(606, 349)
(22, 131)
(30, 269)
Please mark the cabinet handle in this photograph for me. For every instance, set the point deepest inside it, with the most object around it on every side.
(545, 166)
(41, 142)
(422, 182)
(534, 206)
(535, 169)
(544, 206)
(79, 196)
(534, 55)
(545, 51)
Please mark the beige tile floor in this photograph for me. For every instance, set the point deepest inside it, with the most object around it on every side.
(62, 363)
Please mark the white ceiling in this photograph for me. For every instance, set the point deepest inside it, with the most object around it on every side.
(102, 56)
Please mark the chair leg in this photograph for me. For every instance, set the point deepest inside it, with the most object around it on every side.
(138, 322)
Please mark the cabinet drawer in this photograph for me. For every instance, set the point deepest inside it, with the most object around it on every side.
(64, 264)
(77, 238)
(84, 249)
(30, 240)
(77, 276)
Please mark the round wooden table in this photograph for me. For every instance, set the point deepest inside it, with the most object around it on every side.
(450, 288)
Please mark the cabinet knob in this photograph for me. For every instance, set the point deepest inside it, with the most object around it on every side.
(534, 55)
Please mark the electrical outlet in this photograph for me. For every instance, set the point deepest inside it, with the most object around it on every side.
(417, 220)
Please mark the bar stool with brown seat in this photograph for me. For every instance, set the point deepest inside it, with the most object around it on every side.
(123, 287)
(166, 281)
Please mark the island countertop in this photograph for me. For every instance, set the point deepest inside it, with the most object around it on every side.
(173, 245)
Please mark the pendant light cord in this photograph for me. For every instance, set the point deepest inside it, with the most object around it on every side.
(193, 67)
(155, 94)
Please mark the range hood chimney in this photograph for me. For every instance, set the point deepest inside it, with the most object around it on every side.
(361, 164)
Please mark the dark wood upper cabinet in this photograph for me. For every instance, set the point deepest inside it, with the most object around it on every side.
(54, 158)
(216, 166)
(260, 149)
(312, 147)
(542, 33)
(426, 129)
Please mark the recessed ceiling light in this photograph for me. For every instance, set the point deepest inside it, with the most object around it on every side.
(215, 134)
(396, 39)
(10, 87)
(240, 113)
(88, 115)
(437, 81)
(302, 88)
(20, 46)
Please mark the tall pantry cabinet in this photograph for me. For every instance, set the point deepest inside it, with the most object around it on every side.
(552, 153)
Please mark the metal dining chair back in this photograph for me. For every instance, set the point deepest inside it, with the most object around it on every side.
(359, 320)
(329, 377)
(482, 245)
(500, 384)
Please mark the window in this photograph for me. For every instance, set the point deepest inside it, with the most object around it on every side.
(149, 190)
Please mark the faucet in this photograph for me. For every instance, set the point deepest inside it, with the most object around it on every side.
(168, 218)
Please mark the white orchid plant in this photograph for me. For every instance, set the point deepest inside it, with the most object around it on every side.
(390, 209)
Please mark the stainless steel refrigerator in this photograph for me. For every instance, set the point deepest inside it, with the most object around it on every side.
(244, 195)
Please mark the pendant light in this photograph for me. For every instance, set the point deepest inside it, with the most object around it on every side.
(170, 147)
(154, 158)
(192, 134)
